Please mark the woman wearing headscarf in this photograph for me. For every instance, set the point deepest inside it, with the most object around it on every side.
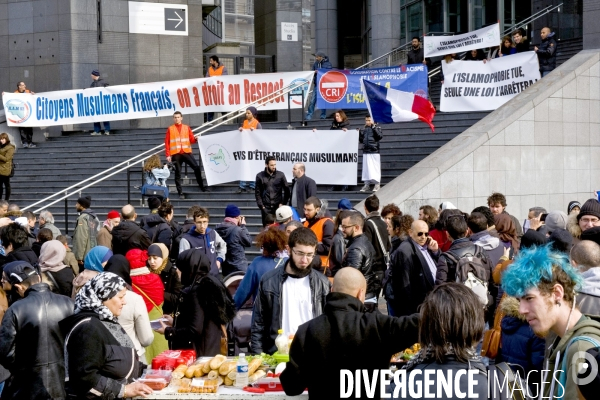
(150, 287)
(54, 269)
(93, 264)
(158, 262)
(507, 232)
(100, 358)
(134, 317)
(203, 310)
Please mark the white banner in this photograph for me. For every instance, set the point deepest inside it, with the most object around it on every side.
(330, 157)
(158, 99)
(479, 86)
(441, 45)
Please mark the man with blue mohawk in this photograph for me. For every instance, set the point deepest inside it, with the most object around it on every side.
(545, 284)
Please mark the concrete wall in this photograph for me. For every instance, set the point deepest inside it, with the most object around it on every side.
(540, 149)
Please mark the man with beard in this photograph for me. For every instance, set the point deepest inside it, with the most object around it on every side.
(88, 226)
(416, 55)
(321, 225)
(271, 189)
(545, 284)
(290, 295)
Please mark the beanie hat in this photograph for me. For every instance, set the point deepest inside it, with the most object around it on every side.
(153, 203)
(253, 110)
(85, 201)
(344, 204)
(556, 220)
(113, 214)
(137, 258)
(590, 207)
(96, 72)
(572, 205)
(561, 240)
(232, 211)
(283, 213)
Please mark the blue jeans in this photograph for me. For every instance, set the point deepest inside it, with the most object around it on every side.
(311, 106)
(97, 126)
(247, 184)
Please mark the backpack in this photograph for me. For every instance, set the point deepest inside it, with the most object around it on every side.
(472, 271)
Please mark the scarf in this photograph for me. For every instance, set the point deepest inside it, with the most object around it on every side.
(507, 230)
(165, 256)
(52, 256)
(102, 287)
(95, 257)
(231, 220)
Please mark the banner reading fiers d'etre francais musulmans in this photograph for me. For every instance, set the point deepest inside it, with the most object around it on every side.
(157, 99)
(330, 157)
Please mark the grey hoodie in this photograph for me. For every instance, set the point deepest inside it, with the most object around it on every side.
(588, 298)
(490, 244)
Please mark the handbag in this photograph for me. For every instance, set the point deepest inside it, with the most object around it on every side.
(491, 337)
(154, 191)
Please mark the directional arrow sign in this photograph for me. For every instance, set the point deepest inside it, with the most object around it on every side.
(175, 19)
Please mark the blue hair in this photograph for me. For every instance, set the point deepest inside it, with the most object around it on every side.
(534, 265)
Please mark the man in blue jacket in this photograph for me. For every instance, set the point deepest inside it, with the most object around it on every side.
(547, 52)
(200, 236)
(321, 62)
(234, 233)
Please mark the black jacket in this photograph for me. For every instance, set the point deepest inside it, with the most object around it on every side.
(31, 345)
(237, 238)
(172, 283)
(201, 310)
(339, 125)
(305, 187)
(128, 235)
(370, 136)
(446, 268)
(344, 337)
(360, 254)
(271, 190)
(267, 312)
(338, 250)
(62, 281)
(371, 234)
(523, 46)
(22, 254)
(95, 359)
(412, 279)
(158, 230)
(99, 83)
(547, 53)
(415, 56)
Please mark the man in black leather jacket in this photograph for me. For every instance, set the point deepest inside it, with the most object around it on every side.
(271, 189)
(273, 308)
(361, 255)
(36, 359)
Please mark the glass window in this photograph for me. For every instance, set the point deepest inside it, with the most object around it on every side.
(434, 11)
(415, 20)
(478, 13)
(403, 25)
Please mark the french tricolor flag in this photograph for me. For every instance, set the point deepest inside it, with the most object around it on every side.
(389, 105)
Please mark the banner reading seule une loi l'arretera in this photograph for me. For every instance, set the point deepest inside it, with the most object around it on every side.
(158, 99)
(330, 157)
(479, 86)
(488, 36)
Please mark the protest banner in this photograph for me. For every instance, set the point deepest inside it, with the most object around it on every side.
(488, 36)
(341, 88)
(479, 86)
(330, 157)
(157, 99)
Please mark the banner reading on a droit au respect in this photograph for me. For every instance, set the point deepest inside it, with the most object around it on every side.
(488, 36)
(330, 157)
(157, 99)
(479, 86)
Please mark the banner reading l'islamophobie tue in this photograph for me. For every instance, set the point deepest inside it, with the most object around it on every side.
(341, 88)
(479, 86)
(329, 157)
(488, 36)
(157, 99)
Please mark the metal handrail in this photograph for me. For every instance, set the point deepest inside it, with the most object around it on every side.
(531, 18)
(148, 153)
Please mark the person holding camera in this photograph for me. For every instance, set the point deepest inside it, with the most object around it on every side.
(155, 175)
(234, 232)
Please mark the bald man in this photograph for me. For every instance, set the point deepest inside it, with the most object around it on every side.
(128, 234)
(303, 187)
(344, 337)
(414, 268)
(585, 256)
(546, 52)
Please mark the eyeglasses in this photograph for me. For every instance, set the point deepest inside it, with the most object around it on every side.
(423, 233)
(344, 227)
(300, 254)
(589, 220)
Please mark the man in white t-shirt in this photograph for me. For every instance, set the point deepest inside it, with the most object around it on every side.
(290, 295)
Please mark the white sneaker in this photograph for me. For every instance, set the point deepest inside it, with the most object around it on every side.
(96, 134)
(107, 133)
(365, 188)
(377, 187)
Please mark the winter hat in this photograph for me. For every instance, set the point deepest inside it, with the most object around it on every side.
(153, 203)
(96, 72)
(113, 214)
(561, 240)
(448, 206)
(320, 54)
(253, 110)
(283, 213)
(572, 205)
(137, 258)
(232, 211)
(344, 204)
(533, 238)
(590, 207)
(18, 271)
(556, 220)
(85, 201)
(592, 234)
